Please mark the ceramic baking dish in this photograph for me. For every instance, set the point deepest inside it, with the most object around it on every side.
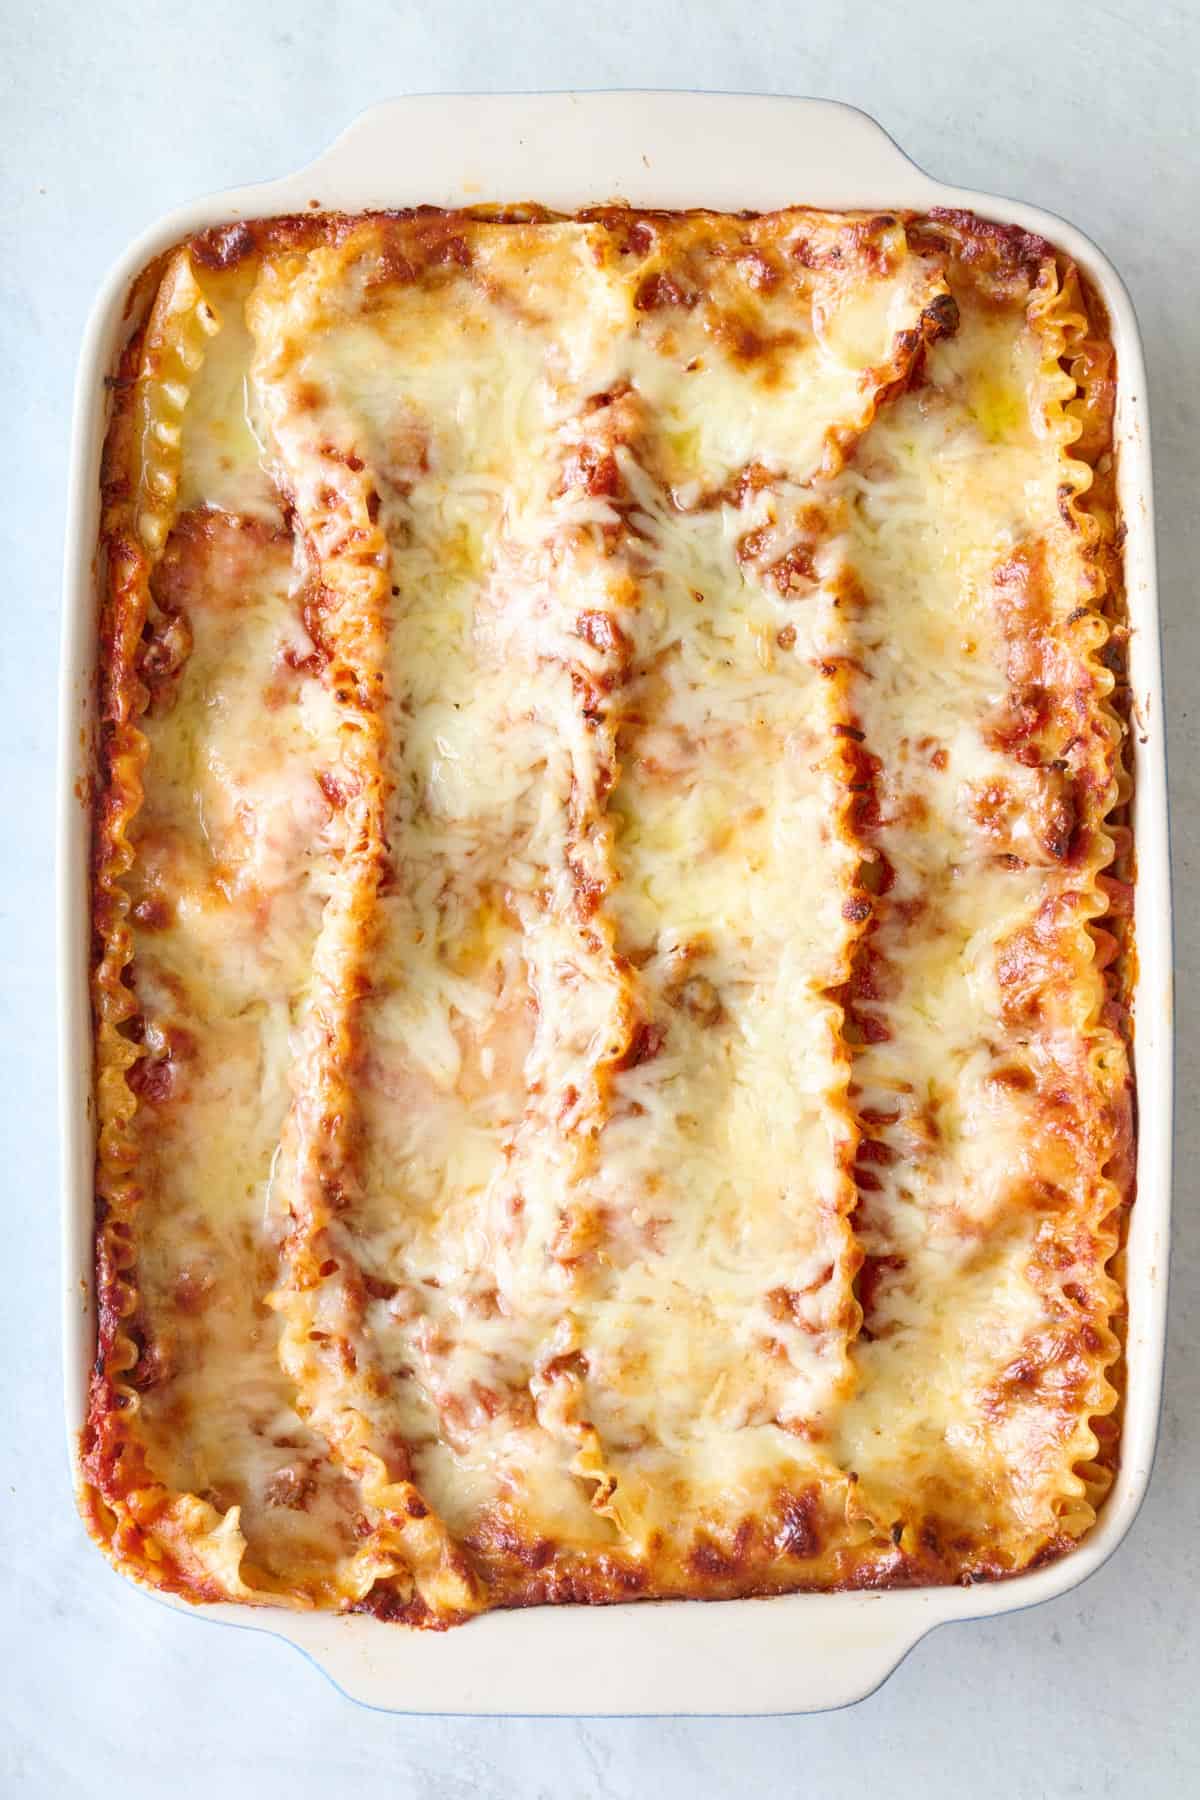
(798, 1652)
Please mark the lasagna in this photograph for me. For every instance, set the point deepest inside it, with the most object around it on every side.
(610, 895)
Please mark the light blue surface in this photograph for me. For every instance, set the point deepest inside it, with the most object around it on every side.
(109, 117)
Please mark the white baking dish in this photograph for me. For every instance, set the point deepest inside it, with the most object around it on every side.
(800, 1652)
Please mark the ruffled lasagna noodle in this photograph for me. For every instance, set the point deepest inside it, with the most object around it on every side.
(610, 901)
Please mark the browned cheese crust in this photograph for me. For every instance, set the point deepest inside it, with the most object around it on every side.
(612, 911)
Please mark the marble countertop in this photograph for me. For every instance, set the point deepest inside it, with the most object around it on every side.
(110, 118)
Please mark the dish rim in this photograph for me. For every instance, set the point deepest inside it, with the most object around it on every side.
(642, 1657)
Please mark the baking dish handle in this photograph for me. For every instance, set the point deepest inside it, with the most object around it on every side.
(685, 1658)
(640, 146)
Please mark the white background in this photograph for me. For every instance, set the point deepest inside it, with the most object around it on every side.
(110, 115)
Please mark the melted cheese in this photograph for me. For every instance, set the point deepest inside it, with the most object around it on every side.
(954, 478)
(499, 884)
(235, 846)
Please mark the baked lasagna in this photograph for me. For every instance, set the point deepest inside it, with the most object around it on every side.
(610, 911)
